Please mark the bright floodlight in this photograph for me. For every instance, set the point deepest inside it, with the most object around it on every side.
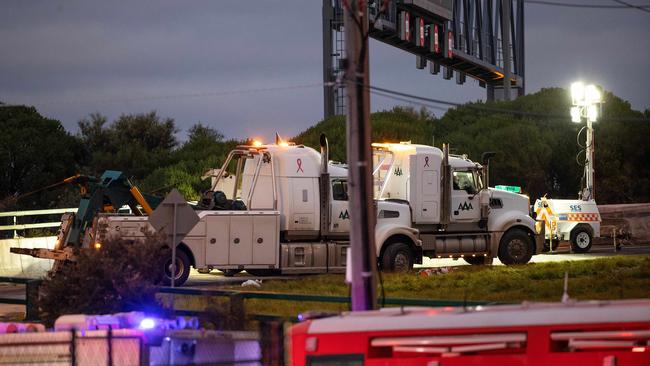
(575, 114)
(147, 323)
(592, 94)
(577, 92)
(592, 112)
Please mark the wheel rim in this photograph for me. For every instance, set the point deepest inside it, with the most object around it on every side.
(517, 249)
(180, 268)
(401, 262)
(582, 240)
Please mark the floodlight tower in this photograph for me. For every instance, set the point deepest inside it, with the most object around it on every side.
(587, 105)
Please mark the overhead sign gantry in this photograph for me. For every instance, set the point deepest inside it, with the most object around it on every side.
(457, 38)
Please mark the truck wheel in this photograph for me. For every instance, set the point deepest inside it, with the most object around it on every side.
(182, 269)
(516, 247)
(230, 272)
(478, 261)
(581, 239)
(398, 257)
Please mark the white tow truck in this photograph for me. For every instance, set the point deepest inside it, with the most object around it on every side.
(284, 210)
(454, 211)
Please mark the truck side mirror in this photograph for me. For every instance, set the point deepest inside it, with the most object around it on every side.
(487, 156)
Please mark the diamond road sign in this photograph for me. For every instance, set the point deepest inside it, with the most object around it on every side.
(174, 217)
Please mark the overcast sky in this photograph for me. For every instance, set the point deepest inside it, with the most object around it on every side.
(72, 58)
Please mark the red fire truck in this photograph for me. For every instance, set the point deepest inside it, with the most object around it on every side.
(571, 333)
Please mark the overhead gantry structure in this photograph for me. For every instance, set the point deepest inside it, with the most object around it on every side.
(482, 39)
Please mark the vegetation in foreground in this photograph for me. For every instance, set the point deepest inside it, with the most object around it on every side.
(119, 277)
(599, 279)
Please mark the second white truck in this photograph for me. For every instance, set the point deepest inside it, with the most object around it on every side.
(454, 211)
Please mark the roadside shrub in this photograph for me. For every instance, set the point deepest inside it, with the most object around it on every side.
(120, 276)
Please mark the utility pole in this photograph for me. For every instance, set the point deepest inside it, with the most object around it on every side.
(363, 263)
(505, 47)
(328, 89)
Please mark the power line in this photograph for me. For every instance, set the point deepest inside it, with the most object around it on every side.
(427, 105)
(470, 106)
(180, 96)
(423, 101)
(638, 7)
(589, 6)
(383, 92)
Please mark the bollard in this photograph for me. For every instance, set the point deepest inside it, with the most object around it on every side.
(109, 338)
(31, 296)
(272, 342)
(73, 347)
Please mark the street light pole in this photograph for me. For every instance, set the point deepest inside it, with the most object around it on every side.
(588, 193)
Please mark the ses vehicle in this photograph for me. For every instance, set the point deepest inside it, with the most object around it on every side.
(576, 221)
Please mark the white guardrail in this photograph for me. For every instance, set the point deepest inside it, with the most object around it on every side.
(23, 265)
(16, 214)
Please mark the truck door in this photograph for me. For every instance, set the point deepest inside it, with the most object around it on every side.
(464, 198)
(340, 216)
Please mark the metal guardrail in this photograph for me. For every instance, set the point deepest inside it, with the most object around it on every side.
(31, 295)
(313, 298)
(237, 299)
(16, 214)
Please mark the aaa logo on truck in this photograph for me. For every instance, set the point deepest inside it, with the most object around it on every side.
(465, 206)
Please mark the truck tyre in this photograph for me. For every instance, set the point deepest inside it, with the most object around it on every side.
(479, 261)
(398, 257)
(230, 272)
(182, 269)
(581, 239)
(516, 247)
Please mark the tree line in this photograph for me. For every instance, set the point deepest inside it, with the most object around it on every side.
(542, 155)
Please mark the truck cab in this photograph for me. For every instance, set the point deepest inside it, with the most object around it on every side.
(456, 214)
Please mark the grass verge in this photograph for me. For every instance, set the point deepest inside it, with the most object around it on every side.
(599, 279)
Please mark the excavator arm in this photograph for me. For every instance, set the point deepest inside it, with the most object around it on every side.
(105, 194)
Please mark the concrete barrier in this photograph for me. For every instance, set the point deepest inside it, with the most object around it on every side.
(632, 219)
(16, 265)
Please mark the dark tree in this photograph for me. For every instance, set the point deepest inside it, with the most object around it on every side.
(134, 143)
(34, 152)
